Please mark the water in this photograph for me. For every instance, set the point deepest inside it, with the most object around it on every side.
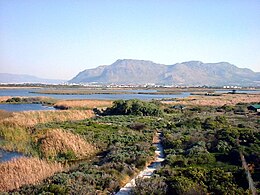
(6, 156)
(24, 107)
(26, 92)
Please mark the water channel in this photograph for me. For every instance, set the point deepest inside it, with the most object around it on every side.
(133, 95)
(24, 107)
(6, 156)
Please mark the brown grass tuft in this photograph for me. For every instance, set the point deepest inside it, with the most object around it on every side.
(22, 171)
(31, 118)
(57, 141)
(70, 104)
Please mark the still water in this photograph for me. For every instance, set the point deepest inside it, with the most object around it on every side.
(24, 107)
(6, 156)
(26, 92)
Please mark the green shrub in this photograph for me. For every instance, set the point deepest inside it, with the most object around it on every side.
(133, 107)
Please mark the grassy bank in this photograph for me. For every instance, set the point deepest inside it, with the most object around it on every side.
(82, 104)
(225, 99)
(17, 129)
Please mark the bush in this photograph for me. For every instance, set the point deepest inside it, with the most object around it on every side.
(133, 107)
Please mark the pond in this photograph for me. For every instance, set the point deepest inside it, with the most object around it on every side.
(24, 107)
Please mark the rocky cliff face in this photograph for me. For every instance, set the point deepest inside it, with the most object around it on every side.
(186, 73)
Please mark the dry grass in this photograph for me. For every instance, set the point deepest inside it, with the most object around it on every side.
(22, 171)
(31, 118)
(4, 98)
(69, 104)
(225, 99)
(5, 114)
(15, 128)
(57, 141)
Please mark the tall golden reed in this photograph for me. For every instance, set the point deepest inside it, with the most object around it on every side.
(56, 141)
(22, 171)
(31, 118)
(70, 104)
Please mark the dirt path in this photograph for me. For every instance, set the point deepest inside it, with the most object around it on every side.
(148, 171)
(249, 177)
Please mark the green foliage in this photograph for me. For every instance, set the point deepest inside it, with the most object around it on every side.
(203, 152)
(14, 100)
(192, 180)
(31, 100)
(133, 107)
(68, 155)
(122, 151)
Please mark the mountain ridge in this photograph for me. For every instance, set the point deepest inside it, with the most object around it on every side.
(25, 78)
(189, 73)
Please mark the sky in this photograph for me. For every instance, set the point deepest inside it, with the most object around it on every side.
(59, 38)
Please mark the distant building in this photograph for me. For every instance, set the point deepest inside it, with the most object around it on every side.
(254, 107)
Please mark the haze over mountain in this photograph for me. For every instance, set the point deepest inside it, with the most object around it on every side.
(23, 78)
(191, 73)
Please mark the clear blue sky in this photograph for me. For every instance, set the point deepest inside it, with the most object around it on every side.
(59, 38)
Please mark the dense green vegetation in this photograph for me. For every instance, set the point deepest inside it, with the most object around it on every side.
(202, 146)
(30, 100)
(134, 107)
(123, 150)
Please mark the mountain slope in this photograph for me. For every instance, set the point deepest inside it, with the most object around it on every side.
(185, 73)
(22, 78)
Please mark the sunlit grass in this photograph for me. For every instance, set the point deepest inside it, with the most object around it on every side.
(21, 171)
(75, 104)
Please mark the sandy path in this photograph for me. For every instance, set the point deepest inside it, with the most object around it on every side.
(148, 171)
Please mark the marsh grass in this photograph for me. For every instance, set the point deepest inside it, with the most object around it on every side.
(24, 171)
(225, 99)
(15, 139)
(31, 118)
(58, 143)
(4, 98)
(16, 130)
(79, 104)
(5, 114)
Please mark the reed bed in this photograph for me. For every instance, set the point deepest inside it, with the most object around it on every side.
(4, 98)
(31, 118)
(57, 141)
(25, 171)
(5, 114)
(225, 99)
(72, 104)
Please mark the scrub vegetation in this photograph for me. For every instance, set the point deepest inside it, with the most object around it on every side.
(203, 147)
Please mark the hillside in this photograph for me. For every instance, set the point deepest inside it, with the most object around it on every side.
(190, 73)
(22, 78)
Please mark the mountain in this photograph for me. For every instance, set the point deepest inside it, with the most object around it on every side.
(23, 78)
(191, 73)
